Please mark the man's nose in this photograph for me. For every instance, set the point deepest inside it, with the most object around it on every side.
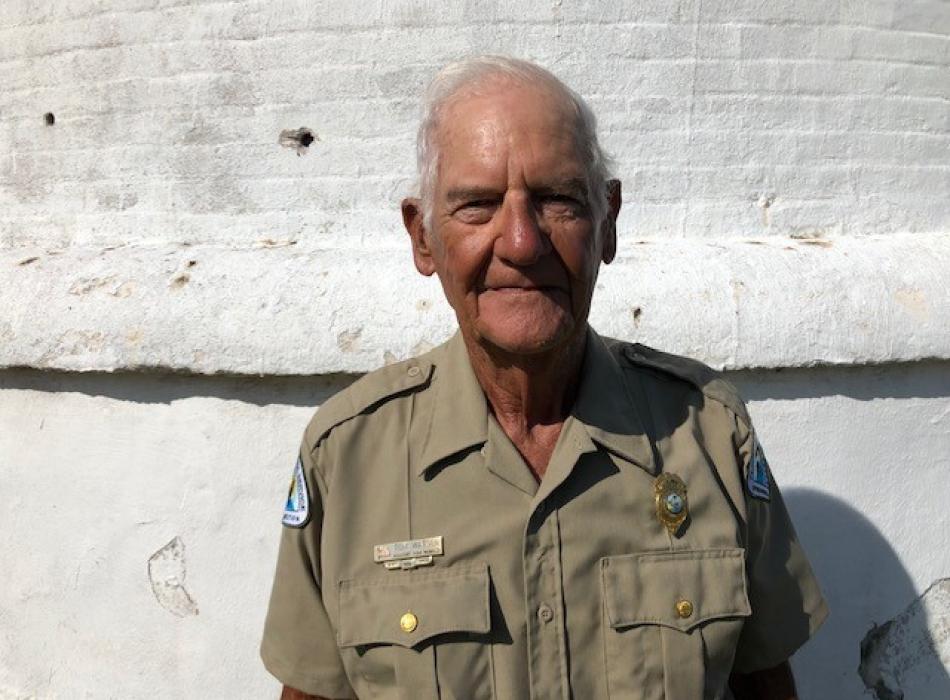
(522, 240)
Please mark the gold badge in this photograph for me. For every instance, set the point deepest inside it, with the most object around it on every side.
(672, 508)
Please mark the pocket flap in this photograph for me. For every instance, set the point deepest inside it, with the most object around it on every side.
(678, 589)
(407, 608)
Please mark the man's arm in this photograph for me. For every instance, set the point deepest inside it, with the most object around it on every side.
(289, 693)
(776, 683)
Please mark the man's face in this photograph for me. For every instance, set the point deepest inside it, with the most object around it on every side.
(514, 240)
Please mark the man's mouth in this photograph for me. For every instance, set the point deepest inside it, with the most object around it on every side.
(532, 288)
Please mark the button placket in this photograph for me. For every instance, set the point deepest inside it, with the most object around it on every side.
(539, 587)
(545, 613)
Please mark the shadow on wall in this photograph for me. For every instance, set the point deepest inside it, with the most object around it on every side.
(907, 380)
(165, 388)
(865, 585)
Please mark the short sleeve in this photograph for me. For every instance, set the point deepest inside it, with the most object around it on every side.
(787, 605)
(299, 645)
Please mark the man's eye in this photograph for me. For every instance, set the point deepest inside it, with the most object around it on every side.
(476, 211)
(562, 204)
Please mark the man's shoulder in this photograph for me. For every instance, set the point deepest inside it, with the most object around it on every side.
(368, 393)
(667, 366)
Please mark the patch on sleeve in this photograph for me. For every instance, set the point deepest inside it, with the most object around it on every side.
(757, 478)
(297, 509)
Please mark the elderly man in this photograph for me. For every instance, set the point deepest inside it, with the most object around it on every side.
(532, 510)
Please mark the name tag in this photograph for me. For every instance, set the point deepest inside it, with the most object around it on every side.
(410, 549)
(408, 563)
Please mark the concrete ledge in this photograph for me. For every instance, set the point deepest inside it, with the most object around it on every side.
(735, 304)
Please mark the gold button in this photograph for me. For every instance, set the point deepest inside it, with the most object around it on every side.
(408, 622)
(684, 608)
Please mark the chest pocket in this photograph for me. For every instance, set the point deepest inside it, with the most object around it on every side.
(418, 634)
(672, 621)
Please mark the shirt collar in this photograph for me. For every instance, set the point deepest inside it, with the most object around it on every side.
(606, 408)
(459, 412)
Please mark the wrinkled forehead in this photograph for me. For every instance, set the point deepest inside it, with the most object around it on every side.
(488, 115)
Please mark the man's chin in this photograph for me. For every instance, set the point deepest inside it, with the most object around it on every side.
(518, 339)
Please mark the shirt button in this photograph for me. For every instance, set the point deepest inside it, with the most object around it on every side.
(408, 623)
(545, 614)
(684, 608)
(413, 371)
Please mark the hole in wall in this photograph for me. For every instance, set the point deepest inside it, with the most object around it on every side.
(297, 139)
(49, 118)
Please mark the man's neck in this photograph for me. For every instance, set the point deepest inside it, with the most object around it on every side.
(530, 397)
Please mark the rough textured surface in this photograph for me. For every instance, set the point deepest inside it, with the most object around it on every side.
(158, 207)
(909, 656)
(727, 117)
(736, 304)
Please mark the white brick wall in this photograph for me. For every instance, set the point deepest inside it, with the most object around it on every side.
(742, 120)
(168, 114)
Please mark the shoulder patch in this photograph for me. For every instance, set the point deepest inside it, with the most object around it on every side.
(710, 382)
(297, 508)
(757, 479)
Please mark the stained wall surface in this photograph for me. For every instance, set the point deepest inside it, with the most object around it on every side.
(181, 284)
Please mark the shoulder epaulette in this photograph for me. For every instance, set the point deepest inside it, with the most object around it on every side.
(710, 382)
(365, 393)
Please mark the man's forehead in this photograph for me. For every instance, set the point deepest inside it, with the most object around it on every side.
(509, 97)
(476, 125)
(553, 183)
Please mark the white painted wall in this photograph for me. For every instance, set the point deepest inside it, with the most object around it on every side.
(727, 117)
(101, 471)
(786, 170)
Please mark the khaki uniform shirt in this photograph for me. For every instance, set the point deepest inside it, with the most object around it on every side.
(568, 588)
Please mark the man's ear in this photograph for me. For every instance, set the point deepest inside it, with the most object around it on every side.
(413, 220)
(614, 200)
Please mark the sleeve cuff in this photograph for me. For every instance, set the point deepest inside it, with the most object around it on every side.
(323, 685)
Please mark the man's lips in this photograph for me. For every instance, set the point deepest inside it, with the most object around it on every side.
(531, 288)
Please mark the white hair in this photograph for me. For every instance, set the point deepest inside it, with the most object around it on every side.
(482, 71)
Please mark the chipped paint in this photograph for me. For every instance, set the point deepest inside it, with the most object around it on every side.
(124, 290)
(909, 656)
(179, 280)
(166, 575)
(914, 300)
(349, 340)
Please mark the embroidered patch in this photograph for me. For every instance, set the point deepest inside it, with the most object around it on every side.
(757, 478)
(297, 509)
